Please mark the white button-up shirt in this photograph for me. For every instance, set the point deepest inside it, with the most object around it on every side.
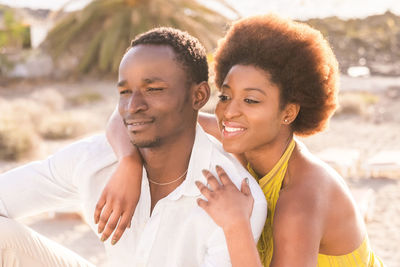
(177, 234)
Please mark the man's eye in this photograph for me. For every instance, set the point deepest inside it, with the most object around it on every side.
(154, 89)
(123, 92)
(251, 101)
(223, 98)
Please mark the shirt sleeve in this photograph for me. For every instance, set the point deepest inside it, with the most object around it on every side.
(42, 185)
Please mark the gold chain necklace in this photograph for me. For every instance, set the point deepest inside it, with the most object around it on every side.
(177, 179)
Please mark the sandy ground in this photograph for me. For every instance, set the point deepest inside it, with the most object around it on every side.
(375, 131)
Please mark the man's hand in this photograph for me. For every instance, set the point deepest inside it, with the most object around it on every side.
(117, 204)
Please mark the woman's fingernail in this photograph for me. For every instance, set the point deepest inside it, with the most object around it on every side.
(246, 180)
(218, 167)
(113, 242)
(103, 238)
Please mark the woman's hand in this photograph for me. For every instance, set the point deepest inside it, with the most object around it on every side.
(226, 205)
(118, 201)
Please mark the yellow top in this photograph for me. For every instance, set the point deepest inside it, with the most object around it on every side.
(271, 184)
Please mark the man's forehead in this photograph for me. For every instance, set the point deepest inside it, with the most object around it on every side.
(155, 60)
(151, 50)
(150, 80)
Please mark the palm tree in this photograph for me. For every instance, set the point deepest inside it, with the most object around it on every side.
(99, 34)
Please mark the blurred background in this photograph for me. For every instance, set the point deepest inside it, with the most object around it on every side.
(58, 70)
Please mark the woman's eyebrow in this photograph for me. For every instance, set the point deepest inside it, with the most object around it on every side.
(255, 89)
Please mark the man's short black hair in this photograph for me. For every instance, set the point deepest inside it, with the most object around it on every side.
(189, 51)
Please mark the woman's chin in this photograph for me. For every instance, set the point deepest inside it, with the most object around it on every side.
(233, 147)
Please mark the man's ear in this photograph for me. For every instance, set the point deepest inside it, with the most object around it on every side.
(201, 94)
(290, 113)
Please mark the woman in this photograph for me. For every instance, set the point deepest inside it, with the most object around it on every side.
(277, 78)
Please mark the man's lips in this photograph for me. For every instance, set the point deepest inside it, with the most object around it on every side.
(231, 129)
(137, 124)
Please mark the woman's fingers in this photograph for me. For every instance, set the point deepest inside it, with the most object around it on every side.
(202, 203)
(122, 225)
(105, 215)
(111, 224)
(211, 180)
(225, 180)
(99, 207)
(204, 190)
(245, 188)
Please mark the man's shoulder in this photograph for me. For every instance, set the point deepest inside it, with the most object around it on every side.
(94, 148)
(235, 170)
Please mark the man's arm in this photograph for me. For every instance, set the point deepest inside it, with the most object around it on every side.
(42, 185)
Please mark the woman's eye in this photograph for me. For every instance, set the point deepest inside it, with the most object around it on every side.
(223, 97)
(251, 101)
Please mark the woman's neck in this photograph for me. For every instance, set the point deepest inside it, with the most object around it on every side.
(263, 158)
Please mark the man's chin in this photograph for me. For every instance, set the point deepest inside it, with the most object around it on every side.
(145, 143)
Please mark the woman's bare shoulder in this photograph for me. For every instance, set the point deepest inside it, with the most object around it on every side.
(307, 171)
(313, 184)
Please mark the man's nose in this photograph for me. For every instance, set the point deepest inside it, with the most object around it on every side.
(136, 103)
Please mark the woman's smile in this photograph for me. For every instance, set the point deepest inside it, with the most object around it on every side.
(232, 129)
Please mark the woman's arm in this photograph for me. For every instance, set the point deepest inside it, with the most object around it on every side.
(298, 228)
(119, 198)
(210, 125)
(241, 245)
(118, 138)
(231, 210)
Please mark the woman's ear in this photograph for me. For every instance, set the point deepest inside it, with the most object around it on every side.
(290, 113)
(201, 94)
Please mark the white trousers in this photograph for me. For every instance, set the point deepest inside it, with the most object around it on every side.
(22, 247)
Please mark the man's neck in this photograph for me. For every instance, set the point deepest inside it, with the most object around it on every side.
(167, 162)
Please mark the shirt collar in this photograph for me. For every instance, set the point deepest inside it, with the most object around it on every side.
(200, 159)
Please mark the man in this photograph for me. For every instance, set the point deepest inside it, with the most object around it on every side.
(162, 85)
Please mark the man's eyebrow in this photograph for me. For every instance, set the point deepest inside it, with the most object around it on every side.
(225, 86)
(152, 80)
(121, 83)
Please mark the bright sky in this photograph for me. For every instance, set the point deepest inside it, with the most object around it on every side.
(300, 9)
